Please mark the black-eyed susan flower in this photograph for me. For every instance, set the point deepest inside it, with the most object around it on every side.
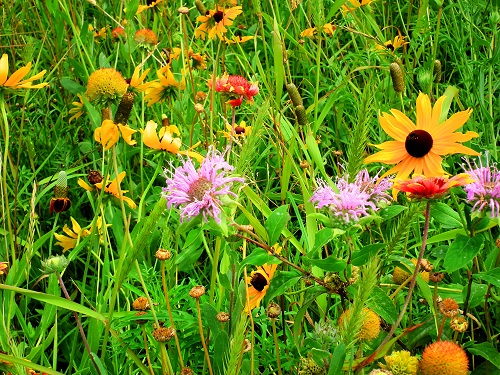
(109, 133)
(392, 45)
(166, 84)
(328, 29)
(166, 140)
(352, 5)
(240, 130)
(74, 235)
(105, 85)
(238, 39)
(149, 4)
(77, 109)
(111, 187)
(258, 283)
(417, 148)
(137, 81)
(214, 23)
(15, 81)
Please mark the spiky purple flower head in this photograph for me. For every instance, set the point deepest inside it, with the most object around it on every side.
(353, 200)
(200, 191)
(484, 193)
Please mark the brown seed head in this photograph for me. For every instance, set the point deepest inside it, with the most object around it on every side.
(198, 107)
(183, 10)
(304, 164)
(124, 108)
(163, 254)
(426, 265)
(273, 310)
(186, 371)
(197, 291)
(436, 277)
(222, 317)
(437, 71)
(163, 334)
(139, 314)
(449, 307)
(94, 177)
(459, 324)
(300, 112)
(140, 303)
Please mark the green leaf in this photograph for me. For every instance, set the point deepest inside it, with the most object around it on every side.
(279, 70)
(72, 86)
(324, 236)
(363, 255)
(331, 264)
(462, 251)
(391, 211)
(276, 222)
(477, 293)
(132, 6)
(492, 276)
(487, 351)
(445, 215)
(383, 305)
(337, 360)
(258, 257)
(280, 283)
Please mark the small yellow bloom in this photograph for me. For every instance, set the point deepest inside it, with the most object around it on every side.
(354, 4)
(165, 140)
(15, 80)
(239, 131)
(73, 236)
(142, 8)
(393, 45)
(3, 267)
(159, 90)
(237, 39)
(214, 23)
(104, 85)
(111, 187)
(77, 109)
(328, 29)
(109, 133)
(137, 80)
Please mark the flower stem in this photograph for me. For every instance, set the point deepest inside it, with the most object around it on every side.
(146, 347)
(275, 336)
(200, 326)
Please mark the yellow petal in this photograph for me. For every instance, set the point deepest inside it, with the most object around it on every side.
(453, 123)
(18, 75)
(127, 134)
(84, 185)
(76, 227)
(4, 68)
(424, 112)
(149, 136)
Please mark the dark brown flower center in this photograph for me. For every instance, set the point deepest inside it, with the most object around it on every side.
(390, 46)
(239, 130)
(218, 16)
(258, 281)
(198, 188)
(418, 143)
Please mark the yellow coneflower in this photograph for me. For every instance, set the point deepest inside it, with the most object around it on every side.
(109, 133)
(159, 90)
(417, 148)
(15, 81)
(150, 4)
(70, 241)
(237, 39)
(328, 29)
(110, 188)
(104, 85)
(214, 23)
(136, 82)
(166, 140)
(238, 131)
(352, 5)
(392, 45)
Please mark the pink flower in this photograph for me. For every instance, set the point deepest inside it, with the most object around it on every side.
(200, 191)
(484, 192)
(237, 87)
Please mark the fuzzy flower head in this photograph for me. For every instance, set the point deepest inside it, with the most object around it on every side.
(237, 88)
(104, 85)
(352, 200)
(484, 191)
(401, 363)
(199, 191)
(444, 358)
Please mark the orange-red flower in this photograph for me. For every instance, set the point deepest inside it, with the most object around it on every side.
(236, 87)
(421, 187)
(214, 23)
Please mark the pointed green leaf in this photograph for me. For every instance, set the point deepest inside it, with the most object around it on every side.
(462, 251)
(276, 222)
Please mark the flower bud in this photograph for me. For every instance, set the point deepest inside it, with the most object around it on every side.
(294, 95)
(222, 317)
(397, 77)
(273, 310)
(197, 291)
(163, 254)
(55, 264)
(437, 71)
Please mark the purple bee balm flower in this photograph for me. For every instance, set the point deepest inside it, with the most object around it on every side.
(200, 191)
(484, 193)
(354, 199)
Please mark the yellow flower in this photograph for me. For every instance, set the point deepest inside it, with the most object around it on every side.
(111, 187)
(401, 363)
(166, 140)
(370, 328)
(150, 4)
(77, 109)
(104, 85)
(73, 236)
(258, 283)
(214, 23)
(418, 147)
(354, 4)
(239, 131)
(3, 267)
(15, 80)
(328, 29)
(160, 89)
(393, 45)
(237, 39)
(136, 82)
(109, 133)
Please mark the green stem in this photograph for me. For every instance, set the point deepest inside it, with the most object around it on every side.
(215, 263)
(275, 336)
(200, 326)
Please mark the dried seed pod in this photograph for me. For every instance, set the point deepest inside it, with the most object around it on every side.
(124, 109)
(197, 291)
(397, 77)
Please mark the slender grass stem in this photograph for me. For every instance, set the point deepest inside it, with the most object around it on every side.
(202, 337)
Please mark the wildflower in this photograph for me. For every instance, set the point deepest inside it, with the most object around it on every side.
(421, 187)
(448, 307)
(165, 140)
(309, 367)
(401, 363)
(140, 303)
(99, 34)
(197, 291)
(104, 85)
(200, 191)
(444, 358)
(70, 241)
(393, 45)
(118, 32)
(214, 23)
(55, 264)
(222, 317)
(353, 200)
(183, 10)
(109, 133)
(236, 87)
(159, 90)
(354, 4)
(163, 254)
(198, 61)
(484, 191)
(60, 202)
(77, 109)
(238, 131)
(258, 282)
(436, 277)
(459, 324)
(15, 80)
(163, 334)
(112, 187)
(399, 275)
(3, 267)
(328, 29)
(136, 82)
(238, 39)
(149, 4)
(145, 38)
(273, 310)
(370, 328)
(418, 148)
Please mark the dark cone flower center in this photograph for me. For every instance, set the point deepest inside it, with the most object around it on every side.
(258, 281)
(239, 130)
(218, 16)
(198, 188)
(418, 143)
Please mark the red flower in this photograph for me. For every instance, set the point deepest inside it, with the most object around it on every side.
(237, 87)
(421, 187)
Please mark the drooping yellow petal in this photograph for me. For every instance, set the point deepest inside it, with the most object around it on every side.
(18, 75)
(127, 132)
(424, 112)
(84, 185)
(4, 68)
(107, 134)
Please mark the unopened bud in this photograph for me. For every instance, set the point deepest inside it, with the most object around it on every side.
(300, 112)
(397, 77)
(437, 71)
(273, 310)
(294, 95)
(55, 264)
